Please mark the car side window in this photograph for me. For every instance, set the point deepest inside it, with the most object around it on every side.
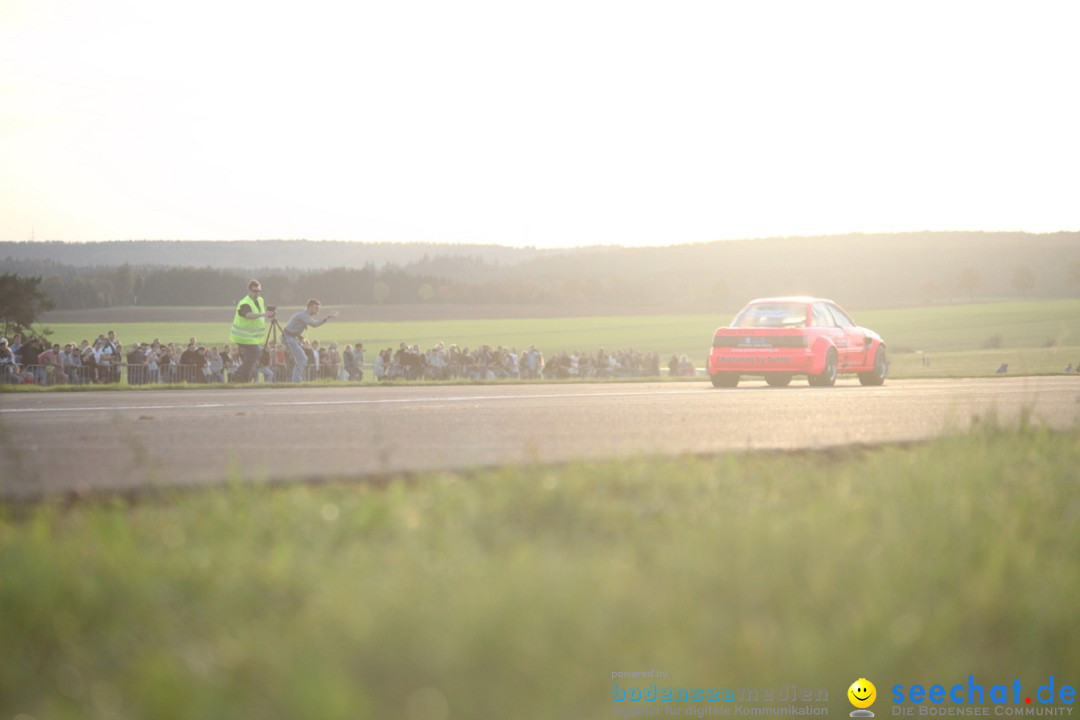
(822, 317)
(841, 317)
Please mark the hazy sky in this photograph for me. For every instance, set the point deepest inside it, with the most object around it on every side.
(544, 123)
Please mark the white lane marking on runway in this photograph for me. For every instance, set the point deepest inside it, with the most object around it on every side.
(365, 401)
(105, 408)
(475, 398)
(873, 392)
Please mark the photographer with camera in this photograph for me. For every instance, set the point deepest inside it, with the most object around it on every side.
(293, 334)
(249, 329)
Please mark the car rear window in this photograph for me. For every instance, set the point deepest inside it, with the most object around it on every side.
(771, 315)
(842, 318)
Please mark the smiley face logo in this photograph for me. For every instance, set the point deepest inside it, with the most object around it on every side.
(862, 693)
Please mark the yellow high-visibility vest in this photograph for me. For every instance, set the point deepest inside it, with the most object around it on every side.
(249, 331)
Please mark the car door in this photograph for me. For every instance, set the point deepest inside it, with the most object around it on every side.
(822, 318)
(856, 339)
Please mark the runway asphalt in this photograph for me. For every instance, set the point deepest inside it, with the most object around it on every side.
(57, 442)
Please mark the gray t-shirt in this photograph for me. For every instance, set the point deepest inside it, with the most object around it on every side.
(300, 322)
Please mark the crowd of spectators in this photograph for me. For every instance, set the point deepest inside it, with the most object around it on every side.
(34, 361)
(106, 360)
(487, 363)
(681, 366)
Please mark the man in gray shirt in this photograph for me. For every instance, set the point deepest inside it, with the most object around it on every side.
(293, 333)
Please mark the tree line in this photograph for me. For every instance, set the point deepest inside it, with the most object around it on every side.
(856, 270)
(69, 287)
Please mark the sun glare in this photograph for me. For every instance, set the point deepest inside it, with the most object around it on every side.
(553, 124)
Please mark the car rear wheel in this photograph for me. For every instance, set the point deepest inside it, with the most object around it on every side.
(827, 378)
(881, 369)
(778, 380)
(725, 379)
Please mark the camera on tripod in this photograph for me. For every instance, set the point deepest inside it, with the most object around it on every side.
(271, 308)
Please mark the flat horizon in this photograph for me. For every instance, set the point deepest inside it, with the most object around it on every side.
(533, 247)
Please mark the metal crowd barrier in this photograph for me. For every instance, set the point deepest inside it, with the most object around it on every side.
(172, 374)
(126, 374)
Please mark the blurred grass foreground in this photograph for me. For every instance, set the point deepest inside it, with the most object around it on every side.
(517, 593)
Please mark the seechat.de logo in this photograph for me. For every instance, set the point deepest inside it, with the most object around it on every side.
(975, 693)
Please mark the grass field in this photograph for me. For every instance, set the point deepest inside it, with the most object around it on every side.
(1033, 337)
(517, 593)
(933, 329)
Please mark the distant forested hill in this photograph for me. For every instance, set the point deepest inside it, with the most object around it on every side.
(856, 270)
(859, 270)
(250, 254)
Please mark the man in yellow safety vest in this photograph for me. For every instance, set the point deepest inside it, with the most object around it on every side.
(249, 329)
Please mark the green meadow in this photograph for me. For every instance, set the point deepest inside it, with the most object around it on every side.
(1033, 337)
(516, 593)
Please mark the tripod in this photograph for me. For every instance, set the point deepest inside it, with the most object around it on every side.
(271, 341)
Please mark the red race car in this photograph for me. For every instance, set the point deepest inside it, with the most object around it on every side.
(779, 338)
